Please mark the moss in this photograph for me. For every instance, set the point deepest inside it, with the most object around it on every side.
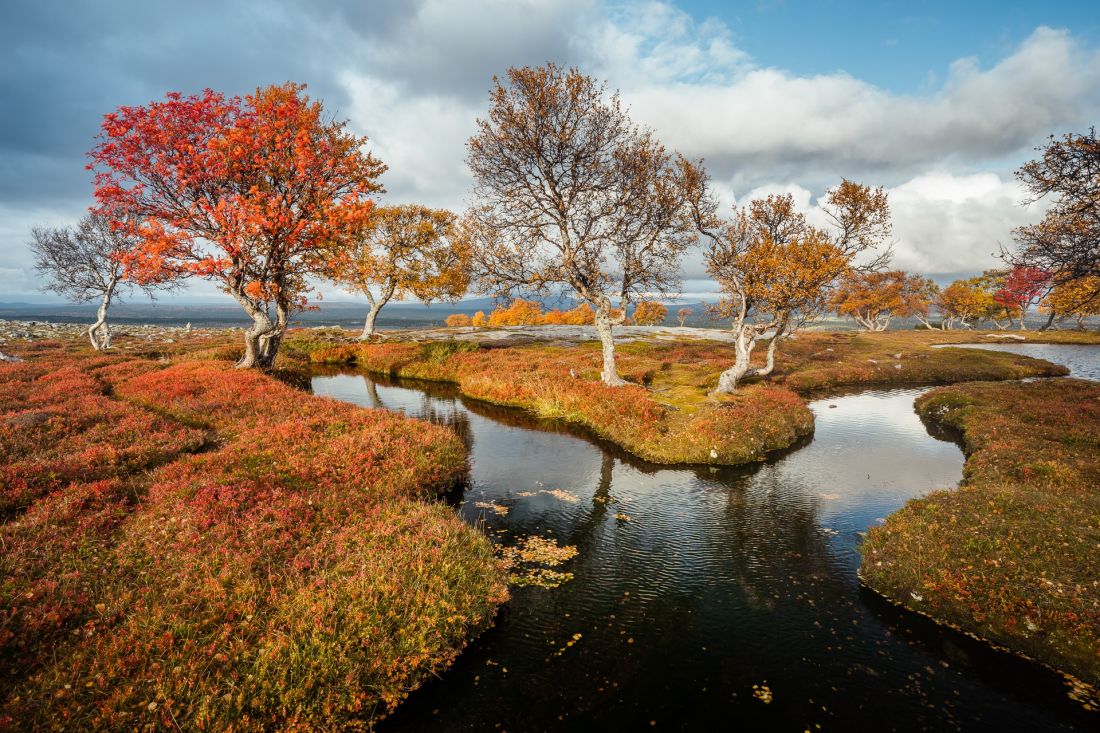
(1011, 556)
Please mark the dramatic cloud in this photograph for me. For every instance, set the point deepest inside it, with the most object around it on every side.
(415, 75)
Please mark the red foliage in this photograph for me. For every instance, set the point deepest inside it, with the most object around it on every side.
(289, 578)
(58, 427)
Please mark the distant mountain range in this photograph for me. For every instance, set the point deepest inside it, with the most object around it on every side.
(335, 313)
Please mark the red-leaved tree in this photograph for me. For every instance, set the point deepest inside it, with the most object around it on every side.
(1022, 288)
(245, 192)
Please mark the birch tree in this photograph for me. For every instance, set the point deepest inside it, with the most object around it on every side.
(775, 270)
(405, 251)
(248, 193)
(570, 195)
(85, 264)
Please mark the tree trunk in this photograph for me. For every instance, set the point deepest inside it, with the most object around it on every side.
(604, 323)
(1023, 319)
(368, 325)
(263, 337)
(99, 333)
(1049, 323)
(743, 346)
(372, 314)
(924, 322)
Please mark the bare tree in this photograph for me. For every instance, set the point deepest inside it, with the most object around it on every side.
(86, 263)
(1066, 243)
(569, 193)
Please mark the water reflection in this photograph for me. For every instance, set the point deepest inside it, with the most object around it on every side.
(692, 585)
(1083, 360)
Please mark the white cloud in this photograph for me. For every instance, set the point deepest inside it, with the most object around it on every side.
(956, 223)
(416, 75)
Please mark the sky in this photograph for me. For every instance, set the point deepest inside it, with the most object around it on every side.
(938, 102)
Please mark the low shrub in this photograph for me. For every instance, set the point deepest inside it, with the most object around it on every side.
(290, 578)
(1010, 556)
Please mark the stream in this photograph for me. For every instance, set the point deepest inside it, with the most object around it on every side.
(709, 598)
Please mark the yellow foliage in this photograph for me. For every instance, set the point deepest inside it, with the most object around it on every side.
(649, 314)
(520, 313)
(458, 320)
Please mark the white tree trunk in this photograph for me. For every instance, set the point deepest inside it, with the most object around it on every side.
(743, 346)
(375, 306)
(604, 323)
(99, 333)
(368, 325)
(263, 337)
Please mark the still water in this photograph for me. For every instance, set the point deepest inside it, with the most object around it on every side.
(1083, 360)
(693, 585)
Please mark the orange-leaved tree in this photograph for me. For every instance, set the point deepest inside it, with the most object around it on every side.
(520, 313)
(965, 302)
(682, 315)
(569, 193)
(404, 250)
(245, 192)
(458, 320)
(873, 299)
(649, 313)
(775, 270)
(1074, 298)
(480, 320)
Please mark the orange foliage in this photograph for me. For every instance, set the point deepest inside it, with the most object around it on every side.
(479, 320)
(251, 587)
(582, 315)
(244, 192)
(649, 313)
(520, 313)
(872, 299)
(458, 320)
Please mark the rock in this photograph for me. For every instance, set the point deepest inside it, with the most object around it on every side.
(29, 419)
(8, 358)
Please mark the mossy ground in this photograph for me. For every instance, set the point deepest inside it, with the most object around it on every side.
(1013, 555)
(190, 546)
(669, 413)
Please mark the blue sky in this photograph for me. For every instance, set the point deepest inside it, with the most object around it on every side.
(903, 46)
(937, 102)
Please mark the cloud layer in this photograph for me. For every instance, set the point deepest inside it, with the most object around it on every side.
(415, 75)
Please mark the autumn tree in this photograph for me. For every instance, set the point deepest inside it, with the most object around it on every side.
(970, 301)
(570, 193)
(85, 263)
(649, 313)
(403, 250)
(1021, 288)
(479, 320)
(1066, 242)
(775, 270)
(245, 192)
(458, 320)
(874, 299)
(683, 314)
(1073, 299)
(519, 313)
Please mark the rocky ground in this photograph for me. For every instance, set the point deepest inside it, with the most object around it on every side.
(15, 331)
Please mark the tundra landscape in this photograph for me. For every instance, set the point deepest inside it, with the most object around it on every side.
(588, 417)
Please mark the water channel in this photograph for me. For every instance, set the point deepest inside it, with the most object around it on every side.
(693, 585)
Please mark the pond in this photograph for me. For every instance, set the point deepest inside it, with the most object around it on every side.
(1083, 360)
(708, 598)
